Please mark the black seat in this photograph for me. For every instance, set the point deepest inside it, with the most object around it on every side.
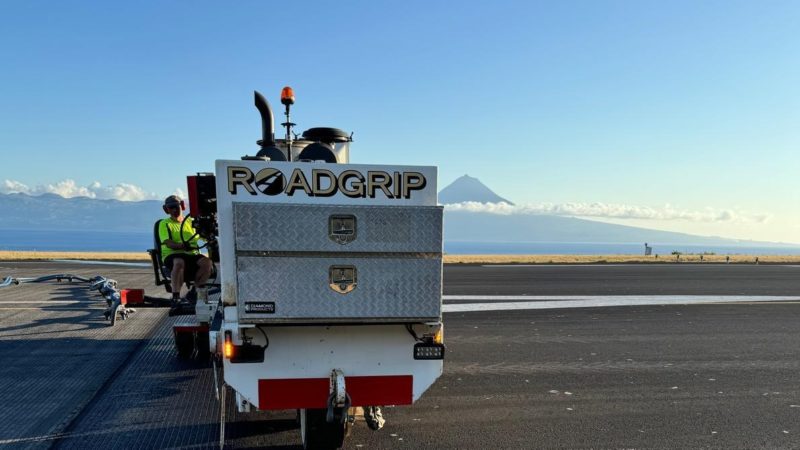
(162, 275)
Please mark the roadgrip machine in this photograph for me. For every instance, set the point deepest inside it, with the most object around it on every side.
(330, 279)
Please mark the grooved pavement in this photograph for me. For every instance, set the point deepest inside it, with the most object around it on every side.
(680, 376)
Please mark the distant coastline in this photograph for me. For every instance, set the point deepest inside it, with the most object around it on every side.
(456, 259)
(138, 242)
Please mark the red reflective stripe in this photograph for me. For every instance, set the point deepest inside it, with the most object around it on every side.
(383, 390)
(293, 393)
(313, 392)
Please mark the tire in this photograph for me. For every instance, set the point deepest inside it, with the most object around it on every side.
(317, 434)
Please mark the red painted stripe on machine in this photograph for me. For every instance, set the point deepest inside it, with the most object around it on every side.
(297, 393)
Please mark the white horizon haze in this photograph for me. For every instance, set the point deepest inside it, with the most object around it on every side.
(713, 221)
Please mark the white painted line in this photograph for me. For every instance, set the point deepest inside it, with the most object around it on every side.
(664, 264)
(42, 302)
(568, 265)
(103, 263)
(501, 303)
(627, 299)
(2, 308)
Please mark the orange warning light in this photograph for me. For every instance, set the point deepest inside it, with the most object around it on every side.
(287, 96)
(438, 338)
(227, 348)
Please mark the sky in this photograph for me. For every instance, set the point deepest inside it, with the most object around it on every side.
(680, 116)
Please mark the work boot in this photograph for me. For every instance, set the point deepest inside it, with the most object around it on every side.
(174, 307)
(181, 309)
(191, 296)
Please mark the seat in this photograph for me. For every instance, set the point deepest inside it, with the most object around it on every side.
(162, 275)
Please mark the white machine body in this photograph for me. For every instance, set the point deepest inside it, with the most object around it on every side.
(335, 271)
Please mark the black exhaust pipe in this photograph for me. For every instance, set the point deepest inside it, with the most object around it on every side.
(267, 142)
(267, 120)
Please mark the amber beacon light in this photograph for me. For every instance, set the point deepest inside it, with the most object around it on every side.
(287, 96)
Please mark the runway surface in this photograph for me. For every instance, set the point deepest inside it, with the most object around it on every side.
(712, 375)
(623, 279)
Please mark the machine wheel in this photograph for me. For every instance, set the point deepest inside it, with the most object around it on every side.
(316, 433)
(184, 343)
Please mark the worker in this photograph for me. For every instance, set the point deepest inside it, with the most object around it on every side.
(180, 254)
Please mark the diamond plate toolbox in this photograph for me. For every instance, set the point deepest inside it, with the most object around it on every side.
(308, 228)
(334, 263)
(387, 289)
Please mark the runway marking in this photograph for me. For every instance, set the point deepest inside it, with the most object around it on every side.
(568, 265)
(103, 263)
(16, 308)
(40, 302)
(669, 264)
(503, 302)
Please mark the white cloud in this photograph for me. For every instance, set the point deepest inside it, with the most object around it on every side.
(13, 187)
(125, 192)
(69, 188)
(611, 211)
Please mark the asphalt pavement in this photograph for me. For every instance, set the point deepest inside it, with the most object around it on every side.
(623, 279)
(676, 376)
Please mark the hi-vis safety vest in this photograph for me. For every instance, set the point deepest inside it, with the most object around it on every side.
(170, 228)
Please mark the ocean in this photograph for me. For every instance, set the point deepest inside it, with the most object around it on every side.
(99, 241)
(611, 248)
(75, 241)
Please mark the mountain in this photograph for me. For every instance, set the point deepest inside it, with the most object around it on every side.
(471, 226)
(53, 212)
(468, 189)
(487, 227)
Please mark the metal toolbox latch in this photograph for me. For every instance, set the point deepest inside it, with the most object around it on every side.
(343, 279)
(342, 228)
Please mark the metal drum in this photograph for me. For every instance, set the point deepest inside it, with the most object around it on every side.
(340, 149)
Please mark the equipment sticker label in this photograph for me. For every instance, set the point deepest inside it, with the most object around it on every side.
(260, 307)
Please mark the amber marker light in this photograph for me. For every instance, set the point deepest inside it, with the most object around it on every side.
(287, 96)
(438, 338)
(227, 348)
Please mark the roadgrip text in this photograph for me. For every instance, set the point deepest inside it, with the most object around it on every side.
(325, 183)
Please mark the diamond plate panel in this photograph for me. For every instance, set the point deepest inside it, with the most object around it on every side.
(289, 228)
(396, 289)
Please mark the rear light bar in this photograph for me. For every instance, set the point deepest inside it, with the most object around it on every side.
(428, 350)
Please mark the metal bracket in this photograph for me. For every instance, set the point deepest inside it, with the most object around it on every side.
(339, 400)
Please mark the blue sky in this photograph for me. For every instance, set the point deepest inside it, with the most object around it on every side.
(689, 110)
